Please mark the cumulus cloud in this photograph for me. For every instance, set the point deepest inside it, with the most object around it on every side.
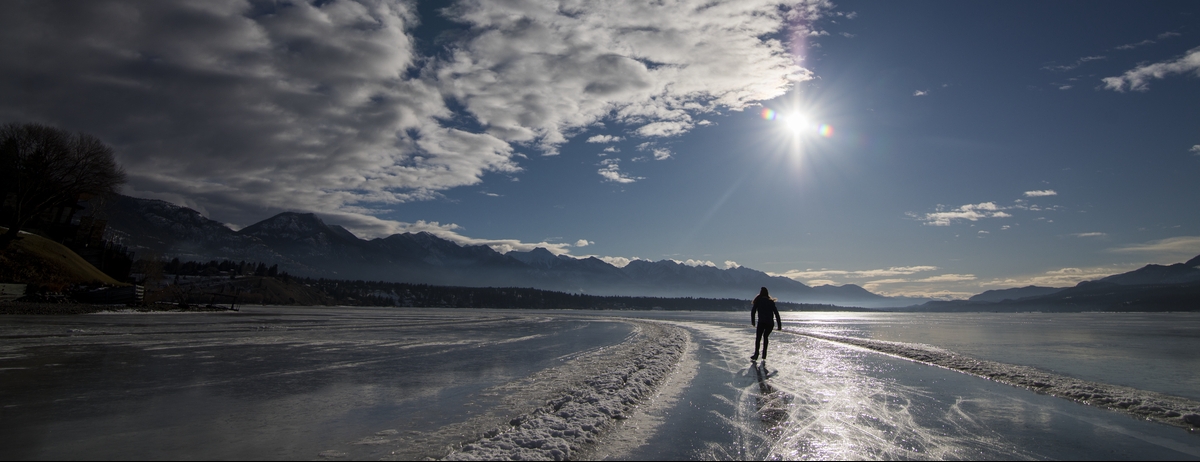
(661, 153)
(1041, 193)
(730, 264)
(604, 139)
(245, 109)
(534, 72)
(691, 262)
(1138, 78)
(619, 262)
(920, 93)
(245, 112)
(1195, 150)
(583, 243)
(610, 170)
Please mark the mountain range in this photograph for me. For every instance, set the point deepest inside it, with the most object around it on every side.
(1150, 288)
(304, 245)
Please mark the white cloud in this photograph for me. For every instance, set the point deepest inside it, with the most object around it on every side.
(691, 262)
(969, 212)
(1064, 87)
(605, 139)
(307, 108)
(535, 72)
(1195, 150)
(1170, 250)
(949, 278)
(256, 108)
(858, 274)
(1041, 193)
(920, 93)
(583, 243)
(1093, 234)
(1072, 66)
(1138, 78)
(665, 128)
(730, 264)
(1064, 277)
(619, 262)
(612, 149)
(662, 153)
(1162, 36)
(1130, 46)
(610, 169)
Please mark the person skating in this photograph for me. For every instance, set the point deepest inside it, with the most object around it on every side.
(764, 308)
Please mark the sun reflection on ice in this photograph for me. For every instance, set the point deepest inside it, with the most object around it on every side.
(814, 400)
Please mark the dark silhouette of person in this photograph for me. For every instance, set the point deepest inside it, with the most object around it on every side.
(764, 307)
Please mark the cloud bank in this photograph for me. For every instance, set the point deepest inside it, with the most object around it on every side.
(244, 109)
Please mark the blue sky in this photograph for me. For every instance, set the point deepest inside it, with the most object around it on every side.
(966, 145)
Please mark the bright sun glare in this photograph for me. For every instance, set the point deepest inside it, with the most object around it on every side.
(797, 123)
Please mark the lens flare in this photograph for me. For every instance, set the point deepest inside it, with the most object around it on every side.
(826, 130)
(768, 114)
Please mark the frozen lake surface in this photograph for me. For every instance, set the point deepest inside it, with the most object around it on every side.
(361, 383)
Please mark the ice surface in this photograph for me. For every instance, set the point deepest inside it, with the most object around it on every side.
(823, 400)
(1172, 410)
(273, 383)
(351, 384)
(610, 384)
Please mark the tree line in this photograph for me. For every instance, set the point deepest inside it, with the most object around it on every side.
(401, 294)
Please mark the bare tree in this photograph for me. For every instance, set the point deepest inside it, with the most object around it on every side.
(42, 167)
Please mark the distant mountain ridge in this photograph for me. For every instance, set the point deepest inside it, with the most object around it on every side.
(1015, 293)
(1150, 288)
(303, 244)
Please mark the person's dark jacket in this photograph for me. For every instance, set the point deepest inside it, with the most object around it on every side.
(764, 307)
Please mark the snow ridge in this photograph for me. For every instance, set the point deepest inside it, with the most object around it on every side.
(612, 388)
(1142, 404)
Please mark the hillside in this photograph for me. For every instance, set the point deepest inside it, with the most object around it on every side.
(36, 260)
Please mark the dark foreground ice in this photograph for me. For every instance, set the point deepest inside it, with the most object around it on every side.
(350, 383)
(267, 383)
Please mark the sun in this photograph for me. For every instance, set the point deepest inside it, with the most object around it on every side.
(796, 123)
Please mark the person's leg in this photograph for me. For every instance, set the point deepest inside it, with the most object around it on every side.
(766, 339)
(758, 333)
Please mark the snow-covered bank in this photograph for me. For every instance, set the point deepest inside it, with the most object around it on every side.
(1171, 410)
(606, 386)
